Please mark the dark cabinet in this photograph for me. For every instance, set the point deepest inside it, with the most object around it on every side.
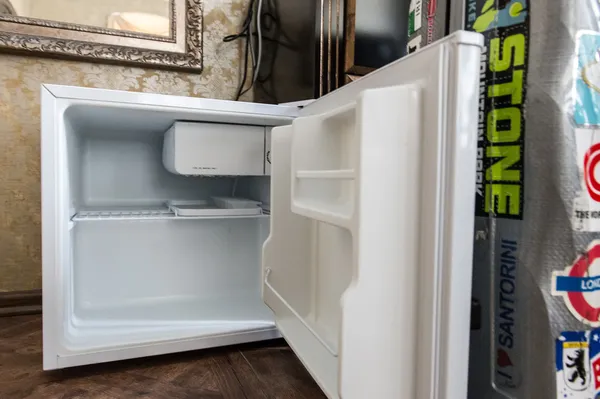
(376, 34)
(337, 41)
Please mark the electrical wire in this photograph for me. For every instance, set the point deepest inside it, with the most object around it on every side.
(259, 33)
(244, 33)
(268, 34)
(244, 75)
(271, 24)
(247, 22)
(251, 33)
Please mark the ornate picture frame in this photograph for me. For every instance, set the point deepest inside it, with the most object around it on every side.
(182, 49)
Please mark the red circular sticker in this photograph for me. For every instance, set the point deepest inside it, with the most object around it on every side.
(590, 161)
(577, 284)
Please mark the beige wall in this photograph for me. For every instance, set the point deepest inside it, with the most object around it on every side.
(20, 79)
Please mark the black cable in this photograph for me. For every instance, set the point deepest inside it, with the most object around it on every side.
(272, 21)
(279, 42)
(245, 27)
(245, 73)
(270, 25)
(243, 33)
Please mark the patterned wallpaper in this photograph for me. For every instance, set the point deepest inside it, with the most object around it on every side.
(20, 79)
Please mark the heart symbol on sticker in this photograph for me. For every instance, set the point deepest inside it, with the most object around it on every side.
(502, 359)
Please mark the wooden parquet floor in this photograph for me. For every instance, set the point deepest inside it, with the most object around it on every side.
(257, 371)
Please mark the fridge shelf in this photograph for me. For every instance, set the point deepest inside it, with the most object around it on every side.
(216, 206)
(155, 214)
(111, 214)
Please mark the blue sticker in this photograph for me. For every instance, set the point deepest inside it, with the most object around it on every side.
(587, 80)
(577, 284)
(578, 364)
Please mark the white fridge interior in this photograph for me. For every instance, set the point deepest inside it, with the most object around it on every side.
(139, 273)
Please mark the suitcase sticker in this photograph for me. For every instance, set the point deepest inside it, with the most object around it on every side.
(578, 364)
(587, 80)
(579, 285)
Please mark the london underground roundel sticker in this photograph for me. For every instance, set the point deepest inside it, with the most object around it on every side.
(579, 285)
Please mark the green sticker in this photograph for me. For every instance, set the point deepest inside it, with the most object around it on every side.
(414, 16)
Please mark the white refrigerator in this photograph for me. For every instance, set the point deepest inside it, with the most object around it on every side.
(172, 224)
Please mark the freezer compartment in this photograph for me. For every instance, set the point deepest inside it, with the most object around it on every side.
(192, 148)
(116, 164)
(136, 281)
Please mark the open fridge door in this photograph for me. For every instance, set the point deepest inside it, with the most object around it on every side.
(368, 264)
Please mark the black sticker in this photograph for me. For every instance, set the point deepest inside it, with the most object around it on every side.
(500, 187)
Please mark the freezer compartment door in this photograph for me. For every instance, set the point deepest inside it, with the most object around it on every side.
(368, 263)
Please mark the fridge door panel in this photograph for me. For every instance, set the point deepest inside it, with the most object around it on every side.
(368, 264)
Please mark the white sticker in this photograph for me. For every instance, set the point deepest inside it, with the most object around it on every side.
(586, 93)
(507, 374)
(586, 206)
(414, 16)
(414, 44)
(578, 364)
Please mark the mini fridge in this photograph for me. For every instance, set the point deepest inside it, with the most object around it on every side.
(345, 225)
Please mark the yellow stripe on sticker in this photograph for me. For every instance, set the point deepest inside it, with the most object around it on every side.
(575, 345)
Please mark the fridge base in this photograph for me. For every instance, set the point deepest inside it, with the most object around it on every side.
(164, 319)
(159, 348)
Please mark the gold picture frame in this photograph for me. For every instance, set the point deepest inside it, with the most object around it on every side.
(182, 49)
